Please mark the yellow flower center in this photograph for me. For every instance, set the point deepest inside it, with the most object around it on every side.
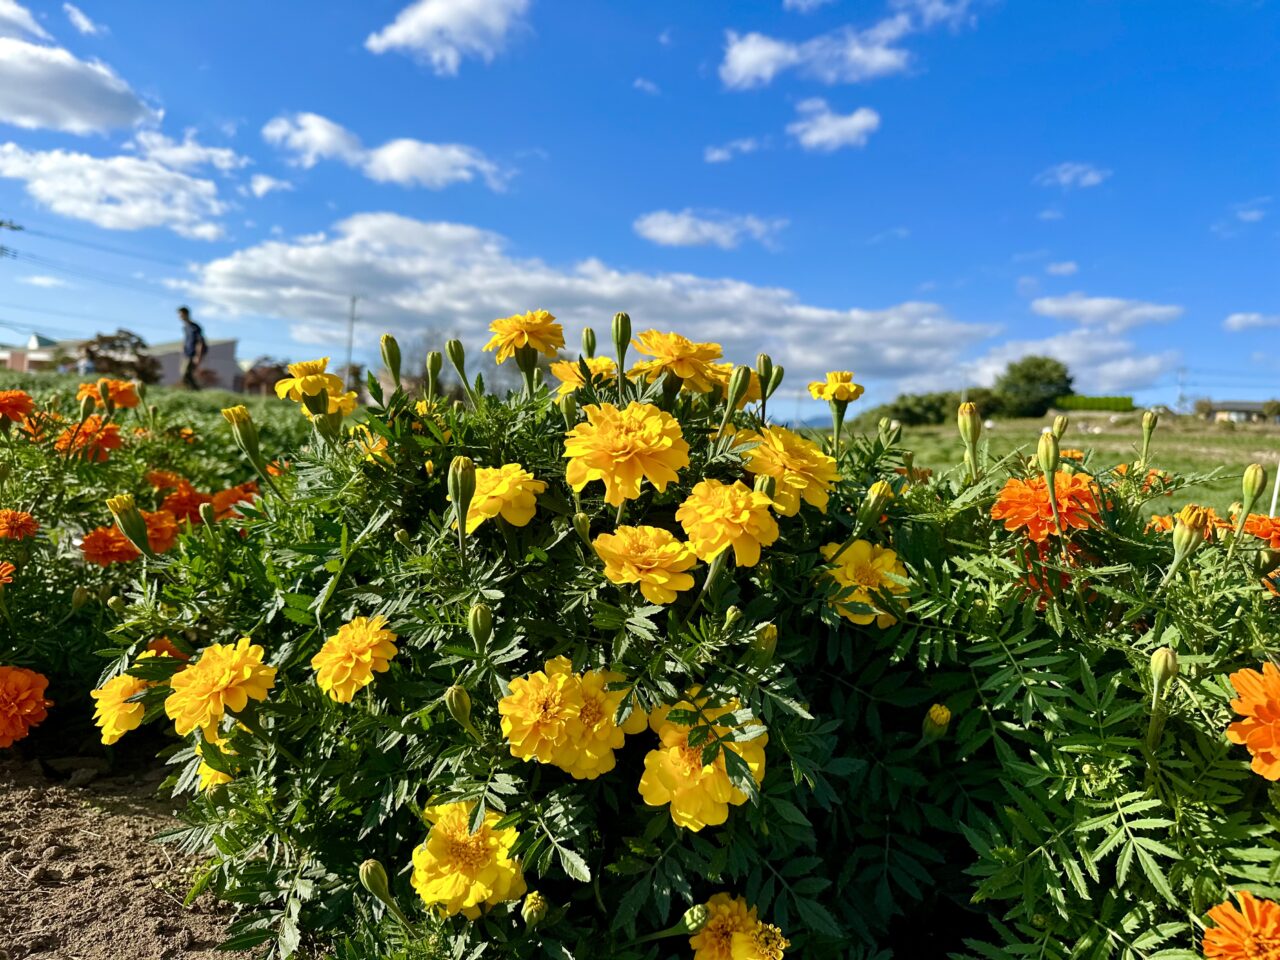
(591, 713)
(468, 851)
(548, 706)
(865, 575)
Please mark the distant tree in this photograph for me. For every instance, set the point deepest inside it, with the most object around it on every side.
(1204, 408)
(122, 354)
(262, 375)
(1271, 410)
(1030, 385)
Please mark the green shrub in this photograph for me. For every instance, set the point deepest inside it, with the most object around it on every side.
(1077, 402)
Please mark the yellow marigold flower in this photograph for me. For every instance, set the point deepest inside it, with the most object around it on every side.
(458, 871)
(372, 445)
(649, 556)
(765, 942)
(349, 659)
(721, 372)
(587, 751)
(864, 569)
(729, 916)
(570, 375)
(224, 678)
(624, 447)
(838, 386)
(718, 515)
(307, 379)
(536, 328)
(537, 713)
(209, 777)
(112, 712)
(510, 491)
(799, 466)
(699, 794)
(691, 362)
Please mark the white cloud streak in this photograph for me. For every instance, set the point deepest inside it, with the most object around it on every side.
(819, 129)
(1239, 322)
(705, 228)
(441, 33)
(1071, 174)
(81, 21)
(1109, 314)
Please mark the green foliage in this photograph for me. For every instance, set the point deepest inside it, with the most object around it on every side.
(1031, 385)
(1077, 402)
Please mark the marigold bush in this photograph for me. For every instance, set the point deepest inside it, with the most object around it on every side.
(629, 670)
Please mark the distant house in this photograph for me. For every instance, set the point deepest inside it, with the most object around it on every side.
(41, 354)
(1239, 411)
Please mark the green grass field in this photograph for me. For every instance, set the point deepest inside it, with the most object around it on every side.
(1184, 445)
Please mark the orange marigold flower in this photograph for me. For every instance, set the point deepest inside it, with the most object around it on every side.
(107, 545)
(121, 392)
(17, 525)
(22, 702)
(164, 647)
(15, 404)
(184, 502)
(165, 479)
(162, 530)
(277, 468)
(1259, 704)
(1251, 932)
(1154, 478)
(1070, 453)
(1264, 528)
(1025, 503)
(7, 570)
(1204, 518)
(91, 439)
(224, 501)
(187, 435)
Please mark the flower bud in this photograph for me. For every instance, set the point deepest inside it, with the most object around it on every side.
(534, 909)
(1047, 454)
(139, 388)
(116, 605)
(970, 423)
(935, 723)
(621, 337)
(104, 593)
(462, 487)
(86, 408)
(1060, 423)
(739, 383)
(458, 703)
(391, 357)
(879, 494)
(208, 516)
(1188, 534)
(1266, 561)
(775, 381)
(104, 391)
(764, 368)
(245, 433)
(568, 405)
(480, 624)
(373, 877)
(767, 485)
(732, 616)
(1164, 666)
(1149, 420)
(582, 527)
(1253, 484)
(695, 918)
(130, 521)
(458, 357)
(588, 342)
(403, 537)
(763, 645)
(79, 597)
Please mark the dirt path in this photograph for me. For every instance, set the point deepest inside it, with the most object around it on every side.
(81, 879)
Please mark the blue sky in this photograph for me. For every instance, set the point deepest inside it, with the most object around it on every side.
(917, 190)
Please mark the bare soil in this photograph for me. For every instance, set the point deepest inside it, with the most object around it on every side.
(81, 877)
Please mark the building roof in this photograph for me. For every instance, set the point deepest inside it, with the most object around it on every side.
(1243, 406)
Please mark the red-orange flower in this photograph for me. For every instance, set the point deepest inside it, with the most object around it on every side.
(17, 525)
(165, 479)
(15, 404)
(107, 545)
(1025, 503)
(224, 502)
(184, 502)
(6, 572)
(1154, 478)
(1191, 515)
(277, 468)
(121, 392)
(164, 647)
(34, 424)
(1259, 731)
(162, 530)
(1250, 933)
(22, 702)
(1264, 528)
(92, 439)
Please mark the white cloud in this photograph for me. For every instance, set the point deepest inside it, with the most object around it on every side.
(81, 22)
(190, 154)
(48, 88)
(1251, 321)
(1071, 174)
(705, 228)
(727, 151)
(260, 184)
(1049, 214)
(455, 277)
(952, 13)
(16, 21)
(893, 233)
(43, 280)
(116, 193)
(818, 128)
(666, 37)
(1062, 268)
(804, 6)
(1110, 314)
(842, 56)
(311, 138)
(1100, 365)
(1027, 286)
(645, 85)
(442, 32)
(1241, 216)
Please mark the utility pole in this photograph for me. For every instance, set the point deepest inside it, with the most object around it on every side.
(351, 336)
(1182, 390)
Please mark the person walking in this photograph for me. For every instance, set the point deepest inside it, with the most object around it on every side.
(193, 349)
